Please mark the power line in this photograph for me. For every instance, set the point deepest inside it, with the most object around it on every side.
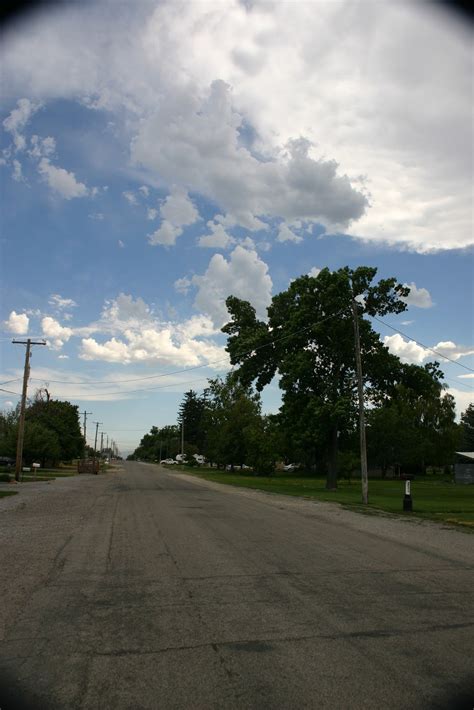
(423, 345)
(184, 369)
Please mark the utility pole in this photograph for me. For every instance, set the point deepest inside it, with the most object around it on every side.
(85, 424)
(182, 436)
(21, 423)
(101, 442)
(360, 389)
(95, 445)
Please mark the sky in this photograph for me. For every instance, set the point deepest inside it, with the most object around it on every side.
(156, 157)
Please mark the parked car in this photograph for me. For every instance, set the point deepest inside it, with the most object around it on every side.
(168, 461)
(290, 467)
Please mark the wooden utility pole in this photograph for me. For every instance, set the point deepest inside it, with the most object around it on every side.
(21, 423)
(182, 436)
(360, 389)
(95, 445)
(101, 442)
(85, 424)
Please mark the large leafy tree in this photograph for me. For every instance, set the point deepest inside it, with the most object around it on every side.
(62, 418)
(40, 444)
(158, 443)
(232, 421)
(8, 432)
(416, 426)
(308, 341)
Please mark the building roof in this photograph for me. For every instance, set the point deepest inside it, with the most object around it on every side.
(467, 454)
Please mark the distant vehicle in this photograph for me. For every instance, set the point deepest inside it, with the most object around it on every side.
(199, 459)
(290, 467)
(168, 461)
(180, 458)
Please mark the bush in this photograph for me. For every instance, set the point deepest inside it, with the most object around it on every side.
(4, 477)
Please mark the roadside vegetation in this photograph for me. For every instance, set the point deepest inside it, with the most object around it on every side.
(53, 439)
(307, 343)
(435, 497)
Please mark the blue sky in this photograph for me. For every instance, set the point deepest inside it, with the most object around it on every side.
(154, 162)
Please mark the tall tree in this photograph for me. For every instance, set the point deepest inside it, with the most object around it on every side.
(309, 341)
(467, 429)
(62, 418)
(232, 418)
(416, 426)
(191, 413)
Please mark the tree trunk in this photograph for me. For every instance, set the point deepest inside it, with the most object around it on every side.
(331, 481)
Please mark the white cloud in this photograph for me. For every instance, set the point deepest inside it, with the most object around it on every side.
(248, 243)
(42, 147)
(166, 235)
(138, 336)
(406, 350)
(126, 311)
(63, 357)
(403, 147)
(17, 174)
(467, 376)
(130, 197)
(17, 323)
(183, 285)
(314, 271)
(56, 334)
(217, 237)
(419, 297)
(99, 216)
(286, 235)
(245, 275)
(410, 352)
(177, 211)
(151, 213)
(144, 190)
(18, 119)
(111, 351)
(121, 244)
(195, 141)
(8, 403)
(453, 351)
(57, 301)
(61, 181)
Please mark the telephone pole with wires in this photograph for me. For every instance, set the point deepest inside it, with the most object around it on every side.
(95, 446)
(360, 390)
(21, 423)
(84, 413)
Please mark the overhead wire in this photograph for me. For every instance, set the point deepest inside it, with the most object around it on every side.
(427, 347)
(214, 362)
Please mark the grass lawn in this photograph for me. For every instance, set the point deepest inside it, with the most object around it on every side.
(3, 494)
(434, 499)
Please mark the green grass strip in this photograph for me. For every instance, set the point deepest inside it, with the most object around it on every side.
(436, 499)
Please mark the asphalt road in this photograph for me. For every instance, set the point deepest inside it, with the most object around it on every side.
(150, 589)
